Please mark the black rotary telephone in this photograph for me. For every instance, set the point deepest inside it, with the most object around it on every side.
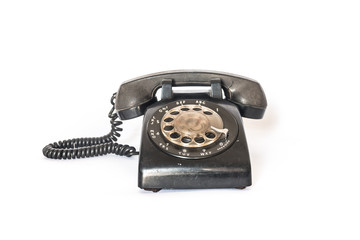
(189, 140)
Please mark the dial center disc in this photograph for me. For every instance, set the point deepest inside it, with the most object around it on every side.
(191, 125)
(190, 122)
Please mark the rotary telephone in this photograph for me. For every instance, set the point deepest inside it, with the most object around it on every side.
(189, 140)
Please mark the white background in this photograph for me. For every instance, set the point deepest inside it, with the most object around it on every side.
(60, 61)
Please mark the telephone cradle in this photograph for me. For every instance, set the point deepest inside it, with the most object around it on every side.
(190, 139)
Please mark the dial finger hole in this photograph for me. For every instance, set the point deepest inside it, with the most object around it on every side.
(185, 109)
(199, 139)
(174, 113)
(208, 113)
(210, 135)
(174, 135)
(168, 128)
(168, 119)
(186, 139)
(197, 109)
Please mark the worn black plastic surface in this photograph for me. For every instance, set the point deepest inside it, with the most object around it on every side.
(228, 169)
(135, 95)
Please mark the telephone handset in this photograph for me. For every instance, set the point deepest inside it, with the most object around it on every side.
(135, 95)
(189, 140)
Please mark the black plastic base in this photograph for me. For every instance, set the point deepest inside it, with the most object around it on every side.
(228, 169)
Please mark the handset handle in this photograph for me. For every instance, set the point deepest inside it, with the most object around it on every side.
(135, 95)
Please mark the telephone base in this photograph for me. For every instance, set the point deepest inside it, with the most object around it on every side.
(161, 169)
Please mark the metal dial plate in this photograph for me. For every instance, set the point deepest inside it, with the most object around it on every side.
(192, 125)
(192, 128)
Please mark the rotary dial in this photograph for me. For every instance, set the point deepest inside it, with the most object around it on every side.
(192, 126)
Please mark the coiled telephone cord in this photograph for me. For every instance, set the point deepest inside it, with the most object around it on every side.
(91, 147)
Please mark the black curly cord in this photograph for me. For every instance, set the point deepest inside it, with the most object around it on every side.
(91, 147)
